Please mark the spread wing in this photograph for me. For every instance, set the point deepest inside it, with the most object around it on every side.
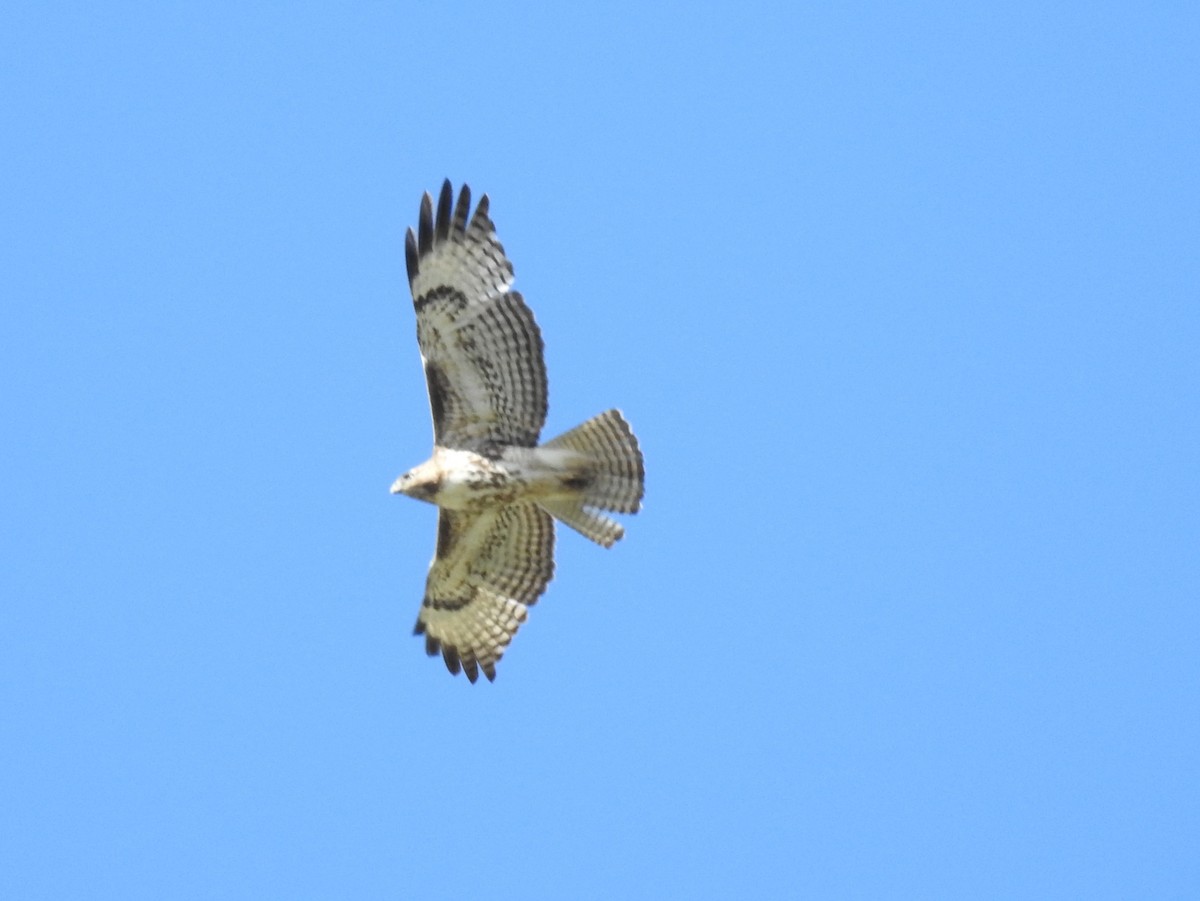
(481, 347)
(488, 569)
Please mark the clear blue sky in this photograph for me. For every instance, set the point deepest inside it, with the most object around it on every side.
(903, 301)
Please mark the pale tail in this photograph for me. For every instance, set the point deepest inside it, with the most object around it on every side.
(615, 480)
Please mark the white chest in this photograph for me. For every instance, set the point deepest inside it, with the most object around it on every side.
(470, 481)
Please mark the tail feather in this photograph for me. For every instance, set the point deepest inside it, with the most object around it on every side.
(615, 476)
(587, 523)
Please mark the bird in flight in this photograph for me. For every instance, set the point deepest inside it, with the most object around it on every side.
(498, 491)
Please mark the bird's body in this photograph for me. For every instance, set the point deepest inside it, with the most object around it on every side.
(498, 490)
(467, 481)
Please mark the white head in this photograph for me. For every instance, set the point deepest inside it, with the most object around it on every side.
(420, 482)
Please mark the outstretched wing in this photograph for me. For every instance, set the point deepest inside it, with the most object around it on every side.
(481, 347)
(488, 569)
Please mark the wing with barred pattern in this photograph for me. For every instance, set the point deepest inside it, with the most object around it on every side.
(489, 568)
(482, 349)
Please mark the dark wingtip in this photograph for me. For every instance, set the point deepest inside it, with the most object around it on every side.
(489, 670)
(411, 257)
(445, 199)
(450, 655)
(470, 668)
(462, 209)
(425, 226)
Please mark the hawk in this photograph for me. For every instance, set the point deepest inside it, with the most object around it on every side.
(498, 491)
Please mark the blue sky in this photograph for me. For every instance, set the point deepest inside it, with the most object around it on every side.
(903, 302)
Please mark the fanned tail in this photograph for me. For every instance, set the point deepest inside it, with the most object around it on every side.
(613, 477)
